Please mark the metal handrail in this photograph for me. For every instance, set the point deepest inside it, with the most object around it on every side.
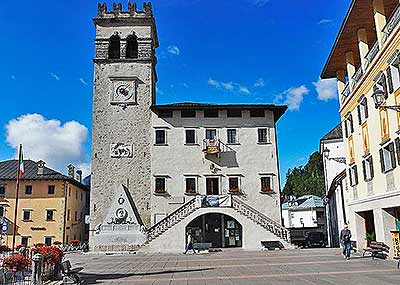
(391, 24)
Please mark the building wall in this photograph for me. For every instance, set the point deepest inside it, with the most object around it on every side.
(300, 218)
(332, 167)
(76, 203)
(248, 159)
(38, 202)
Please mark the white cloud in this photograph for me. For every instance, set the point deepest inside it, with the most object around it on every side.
(86, 168)
(174, 50)
(293, 97)
(82, 81)
(259, 83)
(213, 82)
(55, 76)
(259, 3)
(13, 77)
(326, 89)
(244, 89)
(55, 143)
(325, 21)
(227, 85)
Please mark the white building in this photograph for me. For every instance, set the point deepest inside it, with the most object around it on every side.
(336, 197)
(162, 171)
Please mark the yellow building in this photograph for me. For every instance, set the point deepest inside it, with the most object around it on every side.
(51, 206)
(365, 59)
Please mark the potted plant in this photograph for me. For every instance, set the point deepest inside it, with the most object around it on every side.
(16, 263)
(234, 190)
(370, 237)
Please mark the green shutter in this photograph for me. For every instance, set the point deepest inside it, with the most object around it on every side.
(366, 107)
(364, 170)
(359, 114)
(382, 160)
(355, 175)
(389, 79)
(371, 166)
(350, 177)
(398, 149)
(392, 155)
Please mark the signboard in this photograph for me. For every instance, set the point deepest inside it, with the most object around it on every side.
(396, 243)
(4, 227)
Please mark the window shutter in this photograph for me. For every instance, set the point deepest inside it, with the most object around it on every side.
(389, 79)
(364, 170)
(351, 124)
(350, 177)
(382, 160)
(346, 129)
(392, 155)
(398, 149)
(366, 107)
(355, 175)
(371, 166)
(359, 114)
(384, 85)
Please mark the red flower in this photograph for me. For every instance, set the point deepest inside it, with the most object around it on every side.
(16, 262)
(51, 254)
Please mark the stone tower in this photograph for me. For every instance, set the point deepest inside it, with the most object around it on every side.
(124, 91)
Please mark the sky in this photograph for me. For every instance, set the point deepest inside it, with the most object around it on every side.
(237, 51)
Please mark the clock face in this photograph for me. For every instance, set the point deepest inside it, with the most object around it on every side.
(123, 92)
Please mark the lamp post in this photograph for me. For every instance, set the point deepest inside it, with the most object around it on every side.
(379, 99)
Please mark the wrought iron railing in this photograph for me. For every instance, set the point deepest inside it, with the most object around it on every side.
(371, 54)
(357, 76)
(261, 219)
(345, 92)
(391, 24)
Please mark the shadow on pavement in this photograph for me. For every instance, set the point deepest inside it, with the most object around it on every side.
(94, 278)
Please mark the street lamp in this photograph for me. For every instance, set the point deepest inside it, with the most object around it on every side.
(379, 99)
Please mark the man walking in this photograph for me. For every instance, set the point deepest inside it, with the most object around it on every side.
(189, 244)
(345, 236)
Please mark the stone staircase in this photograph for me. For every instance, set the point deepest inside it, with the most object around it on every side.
(237, 204)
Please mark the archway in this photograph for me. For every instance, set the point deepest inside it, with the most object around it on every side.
(218, 229)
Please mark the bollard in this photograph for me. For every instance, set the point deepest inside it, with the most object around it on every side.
(37, 264)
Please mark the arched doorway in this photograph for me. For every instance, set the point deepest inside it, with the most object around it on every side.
(218, 229)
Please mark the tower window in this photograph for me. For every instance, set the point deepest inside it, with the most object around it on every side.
(131, 47)
(114, 47)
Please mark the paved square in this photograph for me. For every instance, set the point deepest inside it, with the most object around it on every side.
(307, 266)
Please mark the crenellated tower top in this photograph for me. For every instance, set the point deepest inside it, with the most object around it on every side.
(117, 11)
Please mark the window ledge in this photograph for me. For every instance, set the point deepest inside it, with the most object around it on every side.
(237, 143)
(235, 193)
(27, 220)
(191, 194)
(388, 171)
(192, 144)
(264, 143)
(267, 192)
(161, 194)
(160, 144)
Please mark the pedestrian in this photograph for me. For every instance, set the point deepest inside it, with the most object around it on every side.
(345, 236)
(189, 244)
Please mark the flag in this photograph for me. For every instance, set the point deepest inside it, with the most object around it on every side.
(20, 163)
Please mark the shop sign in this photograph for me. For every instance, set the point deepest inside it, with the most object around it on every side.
(396, 243)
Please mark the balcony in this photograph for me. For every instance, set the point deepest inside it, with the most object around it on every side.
(371, 54)
(346, 92)
(357, 76)
(211, 146)
(391, 24)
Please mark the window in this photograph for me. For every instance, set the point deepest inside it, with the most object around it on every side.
(165, 114)
(76, 194)
(368, 169)
(2, 191)
(387, 157)
(69, 192)
(160, 185)
(24, 241)
(68, 214)
(211, 134)
(190, 136)
(161, 137)
(26, 215)
(51, 189)
(257, 113)
(49, 215)
(234, 113)
(28, 189)
(48, 241)
(263, 136)
(114, 47)
(190, 185)
(131, 47)
(210, 113)
(232, 136)
(76, 216)
(353, 175)
(1, 211)
(188, 113)
(362, 110)
(348, 125)
(266, 184)
(234, 184)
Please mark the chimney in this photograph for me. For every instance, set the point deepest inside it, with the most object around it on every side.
(40, 167)
(71, 171)
(79, 175)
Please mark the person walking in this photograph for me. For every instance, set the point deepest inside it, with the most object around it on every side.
(345, 236)
(189, 244)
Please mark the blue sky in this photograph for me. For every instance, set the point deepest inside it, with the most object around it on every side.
(241, 51)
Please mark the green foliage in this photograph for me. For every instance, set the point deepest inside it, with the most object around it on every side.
(370, 237)
(307, 180)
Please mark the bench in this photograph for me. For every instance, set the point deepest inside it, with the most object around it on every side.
(376, 248)
(70, 274)
(202, 245)
(271, 245)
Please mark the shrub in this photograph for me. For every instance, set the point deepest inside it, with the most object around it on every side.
(16, 262)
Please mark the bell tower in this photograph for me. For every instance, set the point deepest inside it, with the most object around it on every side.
(124, 91)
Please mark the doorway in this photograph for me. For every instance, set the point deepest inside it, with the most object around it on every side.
(212, 186)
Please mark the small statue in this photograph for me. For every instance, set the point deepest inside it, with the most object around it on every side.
(117, 7)
(132, 8)
(102, 9)
(147, 9)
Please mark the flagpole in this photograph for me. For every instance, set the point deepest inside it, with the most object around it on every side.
(16, 197)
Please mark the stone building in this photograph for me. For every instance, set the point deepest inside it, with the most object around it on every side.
(51, 206)
(365, 60)
(162, 171)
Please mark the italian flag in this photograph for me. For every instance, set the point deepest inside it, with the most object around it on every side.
(20, 163)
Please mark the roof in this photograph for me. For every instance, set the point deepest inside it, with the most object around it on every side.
(304, 202)
(9, 169)
(360, 15)
(335, 133)
(278, 110)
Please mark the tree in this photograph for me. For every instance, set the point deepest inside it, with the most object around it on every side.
(307, 180)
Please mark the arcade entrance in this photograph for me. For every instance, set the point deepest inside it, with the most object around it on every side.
(218, 229)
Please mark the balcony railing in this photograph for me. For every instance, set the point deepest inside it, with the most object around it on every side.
(357, 76)
(391, 24)
(346, 92)
(372, 53)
